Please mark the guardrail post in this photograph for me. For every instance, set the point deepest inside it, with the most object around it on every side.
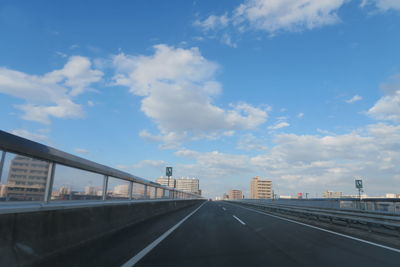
(145, 191)
(105, 187)
(130, 190)
(3, 156)
(49, 182)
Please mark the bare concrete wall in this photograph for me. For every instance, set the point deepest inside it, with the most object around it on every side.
(29, 236)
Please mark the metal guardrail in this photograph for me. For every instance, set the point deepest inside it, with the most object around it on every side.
(10, 143)
(370, 219)
(356, 213)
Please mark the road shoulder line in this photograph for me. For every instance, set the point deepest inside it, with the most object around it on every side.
(322, 229)
(153, 244)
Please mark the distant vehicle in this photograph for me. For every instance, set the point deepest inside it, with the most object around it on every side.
(209, 199)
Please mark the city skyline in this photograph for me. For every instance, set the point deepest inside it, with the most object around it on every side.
(23, 183)
(304, 95)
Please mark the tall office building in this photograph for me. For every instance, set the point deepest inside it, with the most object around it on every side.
(190, 185)
(27, 179)
(260, 188)
(235, 194)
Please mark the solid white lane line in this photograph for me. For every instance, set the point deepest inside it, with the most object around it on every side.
(325, 230)
(147, 249)
(238, 220)
(223, 208)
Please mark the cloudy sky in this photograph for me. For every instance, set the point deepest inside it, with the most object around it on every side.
(303, 92)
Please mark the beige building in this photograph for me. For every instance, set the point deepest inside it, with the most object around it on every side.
(332, 194)
(164, 181)
(391, 195)
(190, 185)
(121, 190)
(3, 190)
(235, 194)
(260, 188)
(26, 179)
(90, 190)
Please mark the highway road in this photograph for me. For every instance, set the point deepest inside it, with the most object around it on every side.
(222, 234)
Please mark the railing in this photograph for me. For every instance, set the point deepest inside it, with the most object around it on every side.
(41, 174)
(379, 205)
(370, 220)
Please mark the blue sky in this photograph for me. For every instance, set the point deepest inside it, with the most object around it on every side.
(303, 92)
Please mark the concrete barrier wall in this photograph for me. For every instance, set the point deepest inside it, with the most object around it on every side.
(31, 236)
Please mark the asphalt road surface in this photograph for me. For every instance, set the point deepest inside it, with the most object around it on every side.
(222, 234)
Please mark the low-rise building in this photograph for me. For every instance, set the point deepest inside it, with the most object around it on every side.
(391, 195)
(235, 194)
(190, 185)
(332, 194)
(3, 190)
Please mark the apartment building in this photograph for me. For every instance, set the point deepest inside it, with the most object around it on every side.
(26, 179)
(260, 188)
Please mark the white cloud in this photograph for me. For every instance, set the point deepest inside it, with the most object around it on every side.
(64, 108)
(331, 162)
(383, 5)
(50, 94)
(289, 15)
(305, 163)
(150, 163)
(227, 39)
(178, 87)
(251, 143)
(214, 164)
(277, 15)
(355, 98)
(30, 135)
(170, 140)
(61, 54)
(310, 163)
(229, 133)
(388, 106)
(77, 75)
(300, 115)
(213, 22)
(279, 125)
